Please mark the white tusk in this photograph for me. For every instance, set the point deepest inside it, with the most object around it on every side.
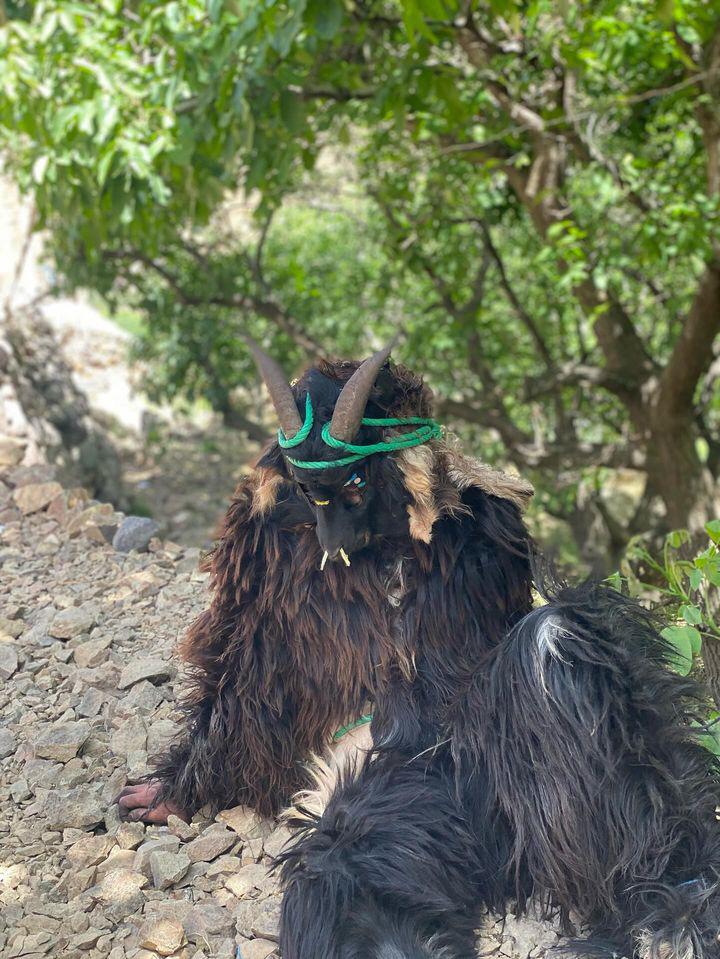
(323, 560)
(346, 558)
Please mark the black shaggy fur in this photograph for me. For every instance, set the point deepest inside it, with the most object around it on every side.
(590, 751)
(390, 870)
(578, 779)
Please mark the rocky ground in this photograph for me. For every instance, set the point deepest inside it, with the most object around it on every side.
(88, 692)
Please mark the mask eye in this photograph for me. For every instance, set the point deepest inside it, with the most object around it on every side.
(356, 481)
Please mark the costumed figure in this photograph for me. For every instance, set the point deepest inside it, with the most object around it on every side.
(367, 559)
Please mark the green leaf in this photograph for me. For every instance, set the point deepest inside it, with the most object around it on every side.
(710, 742)
(695, 576)
(39, 167)
(713, 530)
(292, 111)
(108, 120)
(104, 165)
(691, 614)
(214, 8)
(677, 538)
(328, 18)
(615, 581)
(50, 23)
(683, 641)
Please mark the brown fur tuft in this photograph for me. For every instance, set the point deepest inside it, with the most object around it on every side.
(267, 484)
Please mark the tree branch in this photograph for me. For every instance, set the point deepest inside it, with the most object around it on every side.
(692, 353)
(268, 309)
(513, 299)
(570, 374)
(338, 96)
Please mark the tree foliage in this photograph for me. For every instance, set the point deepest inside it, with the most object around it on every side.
(537, 206)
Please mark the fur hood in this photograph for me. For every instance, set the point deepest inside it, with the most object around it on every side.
(437, 474)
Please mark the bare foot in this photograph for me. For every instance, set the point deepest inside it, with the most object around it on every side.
(135, 804)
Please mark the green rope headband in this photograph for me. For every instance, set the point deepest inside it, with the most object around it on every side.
(427, 429)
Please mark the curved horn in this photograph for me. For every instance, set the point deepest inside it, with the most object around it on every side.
(351, 403)
(280, 393)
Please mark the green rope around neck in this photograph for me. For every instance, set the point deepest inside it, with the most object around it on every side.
(427, 429)
(344, 730)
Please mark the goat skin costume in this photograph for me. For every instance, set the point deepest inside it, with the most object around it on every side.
(571, 745)
(288, 652)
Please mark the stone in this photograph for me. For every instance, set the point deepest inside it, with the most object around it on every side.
(528, 934)
(276, 841)
(207, 919)
(12, 627)
(35, 496)
(222, 866)
(257, 948)
(24, 475)
(41, 772)
(266, 921)
(12, 450)
(71, 622)
(143, 698)
(91, 702)
(135, 532)
(129, 835)
(118, 859)
(92, 653)
(130, 738)
(62, 742)
(167, 868)
(164, 937)
(89, 851)
(77, 808)
(8, 743)
(65, 505)
(209, 845)
(86, 940)
(178, 827)
(245, 822)
(166, 843)
(121, 890)
(20, 791)
(8, 660)
(247, 880)
(90, 515)
(148, 668)
(161, 733)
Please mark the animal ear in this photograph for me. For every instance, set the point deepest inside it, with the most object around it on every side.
(385, 389)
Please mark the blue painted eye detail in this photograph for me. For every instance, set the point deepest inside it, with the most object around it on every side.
(355, 480)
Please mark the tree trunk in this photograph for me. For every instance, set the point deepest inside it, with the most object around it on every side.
(711, 661)
(675, 470)
(236, 420)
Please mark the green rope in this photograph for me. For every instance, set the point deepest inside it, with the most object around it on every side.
(427, 430)
(349, 728)
(303, 432)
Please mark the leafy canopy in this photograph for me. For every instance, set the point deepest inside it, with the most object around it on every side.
(534, 199)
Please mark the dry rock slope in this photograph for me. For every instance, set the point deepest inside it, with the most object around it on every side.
(88, 692)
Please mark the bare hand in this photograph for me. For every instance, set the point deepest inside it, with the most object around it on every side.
(136, 805)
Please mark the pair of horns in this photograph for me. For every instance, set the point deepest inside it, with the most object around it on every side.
(351, 403)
